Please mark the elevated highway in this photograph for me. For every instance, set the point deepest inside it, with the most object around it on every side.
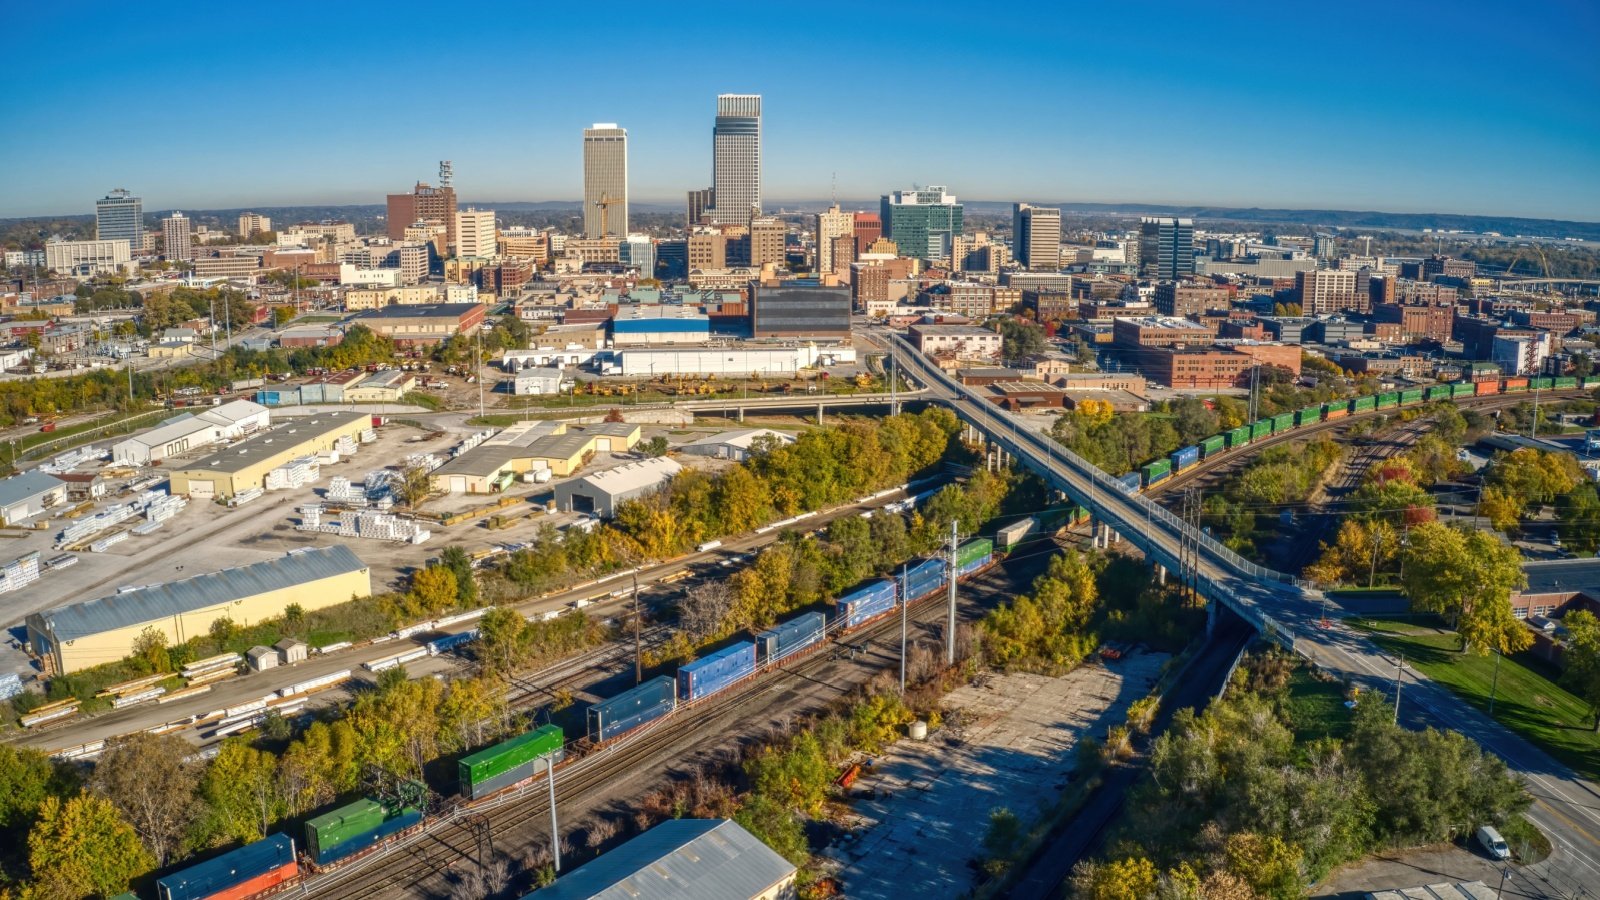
(1284, 610)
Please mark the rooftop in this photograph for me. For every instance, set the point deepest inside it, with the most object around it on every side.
(422, 311)
(275, 440)
(1563, 576)
(681, 859)
(633, 476)
(1162, 322)
(742, 439)
(159, 601)
(22, 487)
(954, 330)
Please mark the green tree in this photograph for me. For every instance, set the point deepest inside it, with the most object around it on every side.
(776, 827)
(82, 847)
(1578, 512)
(656, 446)
(1582, 674)
(1002, 841)
(456, 560)
(151, 646)
(1467, 577)
(1128, 878)
(1019, 339)
(501, 638)
(242, 789)
(1270, 866)
(26, 778)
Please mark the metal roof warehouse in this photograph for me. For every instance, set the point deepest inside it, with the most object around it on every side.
(246, 463)
(680, 859)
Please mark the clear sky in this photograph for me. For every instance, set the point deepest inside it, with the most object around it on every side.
(1471, 106)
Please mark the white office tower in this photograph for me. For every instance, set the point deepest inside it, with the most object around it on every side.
(736, 159)
(605, 181)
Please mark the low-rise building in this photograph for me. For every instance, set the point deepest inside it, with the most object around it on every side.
(538, 380)
(186, 432)
(74, 637)
(246, 464)
(531, 446)
(681, 859)
(737, 445)
(387, 386)
(964, 342)
(1159, 331)
(424, 324)
(601, 493)
(650, 323)
(27, 495)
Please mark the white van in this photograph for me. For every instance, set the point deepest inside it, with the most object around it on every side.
(1491, 840)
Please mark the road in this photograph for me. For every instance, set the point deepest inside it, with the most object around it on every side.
(1566, 807)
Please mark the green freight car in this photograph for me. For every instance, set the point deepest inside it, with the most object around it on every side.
(1308, 415)
(1388, 399)
(1463, 389)
(1282, 423)
(1364, 404)
(1441, 392)
(509, 762)
(1593, 381)
(973, 551)
(1239, 436)
(1542, 384)
(1566, 382)
(1155, 472)
(1214, 444)
(1260, 429)
(331, 829)
(1413, 395)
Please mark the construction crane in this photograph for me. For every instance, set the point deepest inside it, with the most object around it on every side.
(605, 203)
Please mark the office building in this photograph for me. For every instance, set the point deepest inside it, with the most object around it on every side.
(867, 228)
(179, 242)
(1185, 299)
(1447, 267)
(766, 242)
(605, 181)
(119, 216)
(86, 257)
(1153, 331)
(672, 260)
(923, 223)
(736, 158)
(475, 237)
(425, 203)
(799, 309)
(253, 223)
(700, 202)
(833, 223)
(1036, 237)
(638, 251)
(1324, 291)
(1166, 247)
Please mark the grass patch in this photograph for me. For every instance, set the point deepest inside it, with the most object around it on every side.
(426, 401)
(112, 424)
(1525, 840)
(1315, 707)
(1527, 698)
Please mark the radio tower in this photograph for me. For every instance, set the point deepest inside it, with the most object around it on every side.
(446, 173)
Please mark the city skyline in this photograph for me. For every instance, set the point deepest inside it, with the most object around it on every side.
(1187, 108)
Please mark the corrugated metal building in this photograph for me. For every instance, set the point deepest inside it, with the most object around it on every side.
(602, 492)
(24, 496)
(529, 447)
(104, 630)
(735, 445)
(681, 859)
(186, 432)
(246, 464)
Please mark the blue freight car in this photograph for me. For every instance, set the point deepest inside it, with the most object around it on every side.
(863, 603)
(451, 641)
(632, 708)
(707, 675)
(1183, 459)
(245, 872)
(794, 635)
(1130, 482)
(923, 578)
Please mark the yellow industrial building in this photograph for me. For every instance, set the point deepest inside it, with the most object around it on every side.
(529, 447)
(69, 638)
(246, 464)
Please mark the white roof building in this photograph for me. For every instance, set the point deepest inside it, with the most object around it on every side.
(186, 432)
(601, 493)
(735, 445)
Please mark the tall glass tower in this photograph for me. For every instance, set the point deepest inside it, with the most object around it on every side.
(605, 181)
(736, 155)
(120, 216)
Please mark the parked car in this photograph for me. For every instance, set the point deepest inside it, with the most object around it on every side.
(1492, 842)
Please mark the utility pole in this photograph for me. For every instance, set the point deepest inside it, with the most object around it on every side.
(894, 395)
(903, 605)
(950, 625)
(477, 369)
(638, 613)
(555, 834)
(1399, 669)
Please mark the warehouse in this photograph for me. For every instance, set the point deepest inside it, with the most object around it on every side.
(601, 493)
(186, 432)
(745, 360)
(27, 495)
(736, 445)
(681, 859)
(424, 324)
(649, 323)
(530, 447)
(70, 638)
(246, 464)
(387, 386)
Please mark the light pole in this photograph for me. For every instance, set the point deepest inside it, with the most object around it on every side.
(555, 834)
(1399, 668)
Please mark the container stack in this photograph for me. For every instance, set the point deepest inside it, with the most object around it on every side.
(86, 528)
(108, 542)
(23, 570)
(165, 508)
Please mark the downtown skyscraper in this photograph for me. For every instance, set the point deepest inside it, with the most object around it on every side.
(736, 159)
(120, 217)
(605, 181)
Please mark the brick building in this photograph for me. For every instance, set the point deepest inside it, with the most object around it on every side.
(1185, 300)
(1152, 331)
(1417, 322)
(1209, 368)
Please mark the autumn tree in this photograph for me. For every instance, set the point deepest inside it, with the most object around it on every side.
(1578, 512)
(1582, 674)
(81, 847)
(1128, 878)
(1467, 576)
(151, 781)
(151, 647)
(434, 589)
(242, 789)
(1359, 550)
(459, 564)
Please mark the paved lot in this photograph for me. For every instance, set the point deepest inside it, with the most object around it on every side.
(1015, 750)
(1449, 864)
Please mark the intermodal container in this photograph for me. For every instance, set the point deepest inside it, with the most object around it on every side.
(1240, 436)
(351, 829)
(1336, 411)
(1542, 384)
(1183, 459)
(1484, 388)
(1130, 482)
(922, 579)
(796, 634)
(452, 641)
(1440, 392)
(1013, 534)
(975, 554)
(1308, 415)
(1282, 423)
(1388, 399)
(510, 761)
(707, 675)
(1467, 388)
(1364, 404)
(1260, 428)
(245, 872)
(1593, 381)
(404, 820)
(1565, 382)
(1155, 473)
(628, 710)
(1214, 444)
(1414, 395)
(1516, 384)
(875, 598)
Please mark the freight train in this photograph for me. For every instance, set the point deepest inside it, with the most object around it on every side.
(349, 832)
(1154, 473)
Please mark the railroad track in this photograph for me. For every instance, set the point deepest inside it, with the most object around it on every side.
(454, 840)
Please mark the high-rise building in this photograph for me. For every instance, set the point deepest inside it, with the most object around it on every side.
(923, 223)
(736, 158)
(1325, 291)
(1166, 247)
(253, 223)
(175, 232)
(700, 202)
(605, 181)
(425, 203)
(868, 227)
(834, 223)
(638, 251)
(1036, 236)
(475, 235)
(120, 217)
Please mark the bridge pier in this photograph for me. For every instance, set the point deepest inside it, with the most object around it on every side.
(1212, 606)
(819, 413)
(740, 412)
(1161, 574)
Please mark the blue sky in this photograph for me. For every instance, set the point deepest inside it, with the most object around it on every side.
(1468, 106)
